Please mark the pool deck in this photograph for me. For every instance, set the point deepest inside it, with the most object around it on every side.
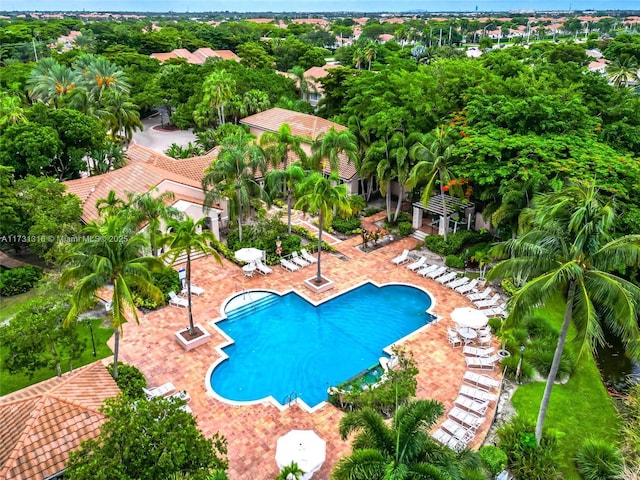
(252, 431)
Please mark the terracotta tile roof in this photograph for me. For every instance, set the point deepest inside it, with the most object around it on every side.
(312, 21)
(227, 55)
(385, 37)
(192, 168)
(302, 125)
(198, 57)
(260, 20)
(44, 422)
(163, 57)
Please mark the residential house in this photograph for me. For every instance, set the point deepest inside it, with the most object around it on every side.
(43, 423)
(313, 76)
(198, 57)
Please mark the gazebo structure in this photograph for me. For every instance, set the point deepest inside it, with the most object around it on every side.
(460, 212)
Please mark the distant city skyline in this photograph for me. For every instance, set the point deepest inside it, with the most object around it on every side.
(278, 6)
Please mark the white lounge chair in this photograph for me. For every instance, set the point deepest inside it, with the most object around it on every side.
(417, 265)
(287, 265)
(446, 278)
(402, 258)
(469, 287)
(181, 395)
(484, 339)
(477, 352)
(160, 391)
(482, 363)
(307, 256)
(437, 272)
(459, 431)
(453, 338)
(470, 405)
(481, 295)
(458, 282)
(477, 394)
(177, 301)
(301, 262)
(466, 418)
(499, 311)
(195, 290)
(491, 302)
(480, 380)
(424, 271)
(448, 440)
(262, 268)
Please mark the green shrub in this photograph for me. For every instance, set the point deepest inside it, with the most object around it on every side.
(453, 261)
(508, 286)
(493, 458)
(540, 328)
(346, 225)
(19, 280)
(371, 211)
(130, 380)
(405, 228)
(496, 326)
(526, 459)
(456, 242)
(510, 365)
(167, 280)
(599, 460)
(540, 354)
(357, 204)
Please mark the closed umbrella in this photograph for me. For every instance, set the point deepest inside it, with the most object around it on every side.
(469, 317)
(303, 447)
(248, 254)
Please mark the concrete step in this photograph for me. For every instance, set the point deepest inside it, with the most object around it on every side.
(419, 235)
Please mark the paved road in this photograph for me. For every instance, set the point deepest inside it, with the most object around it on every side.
(161, 140)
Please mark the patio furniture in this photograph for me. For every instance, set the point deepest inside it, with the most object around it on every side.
(481, 295)
(448, 440)
(287, 265)
(468, 334)
(484, 339)
(303, 447)
(453, 338)
(457, 430)
(301, 262)
(177, 301)
(447, 277)
(181, 395)
(249, 254)
(470, 405)
(458, 282)
(160, 391)
(477, 394)
(491, 302)
(482, 363)
(418, 264)
(424, 271)
(479, 380)
(437, 272)
(469, 317)
(402, 258)
(262, 268)
(248, 269)
(307, 256)
(466, 418)
(469, 287)
(477, 352)
(499, 311)
(195, 290)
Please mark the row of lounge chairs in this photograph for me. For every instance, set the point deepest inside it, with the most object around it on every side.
(298, 261)
(181, 300)
(168, 390)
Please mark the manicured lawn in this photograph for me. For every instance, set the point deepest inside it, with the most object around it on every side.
(12, 382)
(10, 305)
(579, 409)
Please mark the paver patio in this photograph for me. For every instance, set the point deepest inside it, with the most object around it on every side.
(252, 431)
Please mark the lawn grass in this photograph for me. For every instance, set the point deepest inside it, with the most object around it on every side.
(10, 305)
(12, 382)
(579, 409)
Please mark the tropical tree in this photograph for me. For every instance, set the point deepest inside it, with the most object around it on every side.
(433, 156)
(110, 256)
(122, 116)
(319, 194)
(329, 147)
(233, 175)
(285, 180)
(152, 210)
(303, 82)
(279, 146)
(370, 51)
(111, 205)
(51, 82)
(623, 70)
(569, 251)
(99, 75)
(11, 111)
(402, 450)
(185, 237)
(217, 91)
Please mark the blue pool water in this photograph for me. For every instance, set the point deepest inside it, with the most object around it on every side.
(286, 347)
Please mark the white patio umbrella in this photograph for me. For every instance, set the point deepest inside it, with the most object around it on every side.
(469, 317)
(248, 254)
(305, 448)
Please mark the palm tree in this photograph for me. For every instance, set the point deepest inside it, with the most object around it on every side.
(402, 450)
(233, 175)
(278, 146)
(569, 251)
(433, 154)
(358, 56)
(151, 211)
(217, 91)
(11, 111)
(319, 194)
(110, 206)
(330, 145)
(303, 82)
(366, 169)
(279, 180)
(370, 51)
(187, 237)
(51, 82)
(110, 257)
(123, 116)
(100, 75)
(623, 70)
(290, 472)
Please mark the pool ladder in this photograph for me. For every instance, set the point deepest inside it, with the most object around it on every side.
(289, 399)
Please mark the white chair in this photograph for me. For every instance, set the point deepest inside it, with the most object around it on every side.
(160, 391)
(470, 405)
(458, 282)
(177, 301)
(491, 302)
(477, 352)
(307, 256)
(287, 265)
(437, 272)
(499, 311)
(417, 265)
(195, 290)
(466, 418)
(446, 278)
(449, 440)
(424, 271)
(301, 262)
(402, 258)
(459, 431)
(484, 340)
(262, 268)
(181, 395)
(479, 380)
(453, 338)
(469, 287)
(481, 295)
(482, 363)
(477, 394)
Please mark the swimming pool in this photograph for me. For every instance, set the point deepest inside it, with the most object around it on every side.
(287, 348)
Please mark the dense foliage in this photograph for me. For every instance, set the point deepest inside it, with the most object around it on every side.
(131, 381)
(19, 280)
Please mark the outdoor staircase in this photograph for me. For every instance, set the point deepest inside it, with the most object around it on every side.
(419, 235)
(252, 307)
(183, 258)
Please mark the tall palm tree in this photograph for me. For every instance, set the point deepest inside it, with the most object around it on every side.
(111, 205)
(110, 257)
(185, 237)
(330, 145)
(152, 211)
(402, 450)
(287, 179)
(278, 146)
(303, 82)
(623, 70)
(233, 175)
(366, 169)
(569, 251)
(11, 111)
(319, 194)
(358, 56)
(433, 154)
(122, 115)
(100, 75)
(370, 51)
(51, 82)
(217, 91)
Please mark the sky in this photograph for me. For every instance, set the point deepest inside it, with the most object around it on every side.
(313, 5)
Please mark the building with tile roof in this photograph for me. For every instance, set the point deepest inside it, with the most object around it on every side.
(43, 423)
(198, 57)
(147, 170)
(313, 76)
(307, 128)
